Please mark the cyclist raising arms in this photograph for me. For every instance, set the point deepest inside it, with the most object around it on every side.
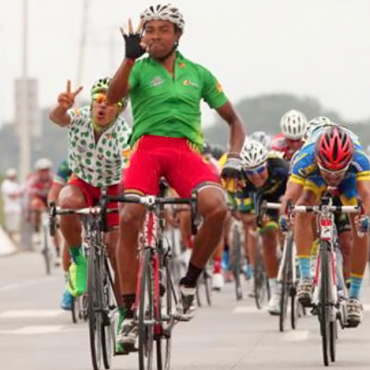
(97, 136)
(165, 91)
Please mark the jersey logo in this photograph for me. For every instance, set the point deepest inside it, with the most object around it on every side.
(306, 171)
(156, 81)
(219, 87)
(190, 83)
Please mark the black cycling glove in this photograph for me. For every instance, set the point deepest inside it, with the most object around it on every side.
(133, 48)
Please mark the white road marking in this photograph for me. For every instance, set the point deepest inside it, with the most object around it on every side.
(46, 329)
(31, 313)
(295, 336)
(248, 309)
(28, 283)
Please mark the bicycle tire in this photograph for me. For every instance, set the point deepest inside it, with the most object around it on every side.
(236, 250)
(94, 316)
(261, 287)
(164, 342)
(323, 313)
(146, 313)
(208, 287)
(46, 250)
(284, 299)
(74, 310)
(333, 330)
(107, 333)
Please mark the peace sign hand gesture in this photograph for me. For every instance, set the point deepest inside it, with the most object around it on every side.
(134, 47)
(67, 98)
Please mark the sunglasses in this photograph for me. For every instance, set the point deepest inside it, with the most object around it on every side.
(101, 98)
(333, 173)
(255, 171)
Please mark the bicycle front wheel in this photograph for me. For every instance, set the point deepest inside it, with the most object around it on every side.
(94, 303)
(261, 284)
(146, 319)
(237, 262)
(323, 307)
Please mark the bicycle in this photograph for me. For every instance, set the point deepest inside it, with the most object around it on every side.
(205, 284)
(237, 256)
(156, 292)
(287, 277)
(101, 305)
(325, 296)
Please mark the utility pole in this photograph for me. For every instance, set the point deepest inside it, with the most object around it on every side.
(81, 53)
(25, 147)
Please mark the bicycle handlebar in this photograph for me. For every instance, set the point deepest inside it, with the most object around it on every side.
(150, 202)
(319, 208)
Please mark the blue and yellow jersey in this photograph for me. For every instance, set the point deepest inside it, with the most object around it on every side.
(306, 173)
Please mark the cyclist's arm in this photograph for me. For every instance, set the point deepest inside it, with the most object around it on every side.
(237, 134)
(292, 193)
(363, 188)
(60, 116)
(119, 87)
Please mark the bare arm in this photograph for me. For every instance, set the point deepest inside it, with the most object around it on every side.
(119, 87)
(238, 133)
(292, 193)
(363, 188)
(59, 116)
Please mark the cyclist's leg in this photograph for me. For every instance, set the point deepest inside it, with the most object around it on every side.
(358, 257)
(37, 206)
(195, 174)
(345, 242)
(141, 177)
(303, 237)
(185, 231)
(111, 240)
(75, 195)
(269, 235)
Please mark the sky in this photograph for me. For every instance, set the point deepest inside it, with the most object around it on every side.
(316, 48)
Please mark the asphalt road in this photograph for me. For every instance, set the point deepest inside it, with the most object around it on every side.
(36, 335)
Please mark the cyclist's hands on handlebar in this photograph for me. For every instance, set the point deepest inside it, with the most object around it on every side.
(231, 173)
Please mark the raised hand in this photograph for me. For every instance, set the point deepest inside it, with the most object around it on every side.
(134, 46)
(66, 99)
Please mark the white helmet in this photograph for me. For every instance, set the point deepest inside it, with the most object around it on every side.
(164, 12)
(262, 138)
(43, 164)
(316, 123)
(253, 153)
(293, 124)
(11, 172)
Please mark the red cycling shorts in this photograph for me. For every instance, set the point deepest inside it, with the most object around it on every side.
(92, 196)
(173, 158)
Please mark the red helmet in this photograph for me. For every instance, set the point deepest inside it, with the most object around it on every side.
(334, 149)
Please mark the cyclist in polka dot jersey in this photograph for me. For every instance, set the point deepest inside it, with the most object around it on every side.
(97, 139)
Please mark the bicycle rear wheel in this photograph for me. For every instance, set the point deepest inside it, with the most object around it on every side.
(94, 302)
(146, 319)
(323, 307)
(237, 262)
